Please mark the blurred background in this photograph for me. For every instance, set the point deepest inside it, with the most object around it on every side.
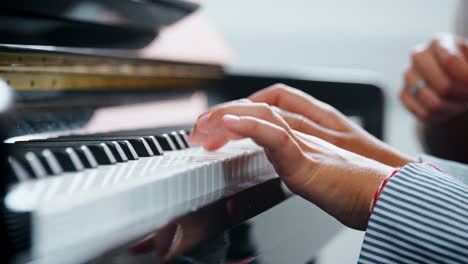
(310, 36)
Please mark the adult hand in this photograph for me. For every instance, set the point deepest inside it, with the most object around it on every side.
(340, 182)
(436, 84)
(307, 115)
(310, 116)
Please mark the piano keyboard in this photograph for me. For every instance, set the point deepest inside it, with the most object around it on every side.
(75, 186)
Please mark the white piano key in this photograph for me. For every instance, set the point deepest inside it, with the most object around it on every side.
(51, 191)
(219, 176)
(109, 176)
(119, 174)
(76, 183)
(130, 171)
(179, 191)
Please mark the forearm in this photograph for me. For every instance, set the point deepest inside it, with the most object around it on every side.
(448, 140)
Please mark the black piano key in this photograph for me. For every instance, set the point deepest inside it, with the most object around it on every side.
(177, 140)
(117, 151)
(32, 161)
(173, 139)
(44, 163)
(166, 142)
(140, 145)
(19, 169)
(69, 159)
(46, 157)
(122, 150)
(51, 162)
(128, 149)
(184, 136)
(154, 144)
(102, 153)
(37, 167)
(85, 156)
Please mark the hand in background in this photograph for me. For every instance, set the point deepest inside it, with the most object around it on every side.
(340, 182)
(436, 84)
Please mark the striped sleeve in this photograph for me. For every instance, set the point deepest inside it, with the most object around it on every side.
(420, 217)
(456, 169)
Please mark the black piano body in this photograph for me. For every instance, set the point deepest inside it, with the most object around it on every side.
(59, 91)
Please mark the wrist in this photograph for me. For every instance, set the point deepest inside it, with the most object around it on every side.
(375, 174)
(380, 190)
(400, 160)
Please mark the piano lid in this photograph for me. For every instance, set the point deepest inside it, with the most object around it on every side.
(88, 23)
(168, 30)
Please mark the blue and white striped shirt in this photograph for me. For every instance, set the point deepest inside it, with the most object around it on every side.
(421, 216)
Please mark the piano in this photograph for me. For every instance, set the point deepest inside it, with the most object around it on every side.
(97, 99)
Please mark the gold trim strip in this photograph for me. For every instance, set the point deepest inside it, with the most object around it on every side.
(44, 71)
(77, 82)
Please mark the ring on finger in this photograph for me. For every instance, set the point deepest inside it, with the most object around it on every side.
(417, 86)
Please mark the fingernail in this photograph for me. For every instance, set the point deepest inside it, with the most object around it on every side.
(231, 121)
(204, 118)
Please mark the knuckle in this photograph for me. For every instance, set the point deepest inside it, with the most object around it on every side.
(218, 113)
(330, 109)
(301, 122)
(445, 89)
(339, 140)
(435, 105)
(265, 109)
(251, 126)
(280, 87)
(451, 61)
(283, 138)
